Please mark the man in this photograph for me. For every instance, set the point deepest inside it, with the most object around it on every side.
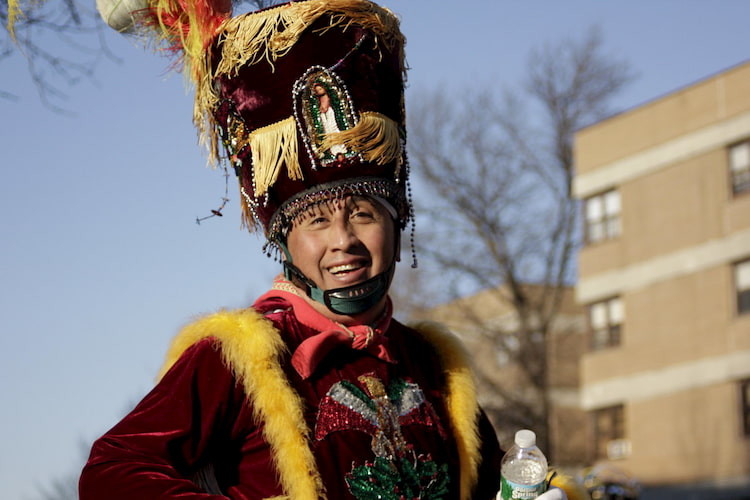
(315, 391)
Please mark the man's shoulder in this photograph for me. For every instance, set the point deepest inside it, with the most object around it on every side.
(428, 335)
(236, 333)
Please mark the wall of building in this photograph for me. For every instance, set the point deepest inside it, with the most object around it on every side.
(665, 121)
(683, 346)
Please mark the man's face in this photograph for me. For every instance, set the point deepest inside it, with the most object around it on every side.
(342, 242)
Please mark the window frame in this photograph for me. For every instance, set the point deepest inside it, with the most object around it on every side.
(744, 400)
(615, 416)
(608, 223)
(741, 291)
(613, 327)
(737, 188)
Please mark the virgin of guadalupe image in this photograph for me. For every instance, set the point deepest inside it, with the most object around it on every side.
(327, 114)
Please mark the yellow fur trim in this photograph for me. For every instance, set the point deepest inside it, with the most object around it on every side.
(251, 346)
(461, 400)
(376, 137)
(272, 147)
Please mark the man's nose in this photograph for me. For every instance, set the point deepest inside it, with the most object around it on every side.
(343, 235)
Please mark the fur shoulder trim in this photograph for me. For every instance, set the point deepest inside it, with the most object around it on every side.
(251, 346)
(461, 399)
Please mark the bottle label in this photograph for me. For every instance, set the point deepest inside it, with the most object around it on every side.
(513, 491)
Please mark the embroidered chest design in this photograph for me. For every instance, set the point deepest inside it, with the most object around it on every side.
(397, 471)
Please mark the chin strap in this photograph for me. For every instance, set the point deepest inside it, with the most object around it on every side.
(348, 300)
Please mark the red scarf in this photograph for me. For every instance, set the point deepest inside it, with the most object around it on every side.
(312, 350)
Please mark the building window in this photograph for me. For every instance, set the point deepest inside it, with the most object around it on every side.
(609, 430)
(605, 323)
(745, 408)
(602, 216)
(739, 167)
(742, 286)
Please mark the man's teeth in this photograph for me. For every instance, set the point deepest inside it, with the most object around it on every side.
(343, 268)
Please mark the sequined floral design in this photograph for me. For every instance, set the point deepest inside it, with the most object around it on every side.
(397, 472)
(323, 107)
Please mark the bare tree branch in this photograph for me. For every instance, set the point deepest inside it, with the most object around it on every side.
(501, 219)
(64, 43)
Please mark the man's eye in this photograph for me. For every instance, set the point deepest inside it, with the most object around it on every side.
(363, 215)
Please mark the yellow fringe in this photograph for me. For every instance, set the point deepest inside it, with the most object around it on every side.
(376, 137)
(250, 345)
(461, 400)
(206, 102)
(271, 33)
(272, 147)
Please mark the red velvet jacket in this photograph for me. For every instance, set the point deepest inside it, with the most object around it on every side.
(375, 429)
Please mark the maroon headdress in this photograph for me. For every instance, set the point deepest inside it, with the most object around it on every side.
(307, 98)
(308, 101)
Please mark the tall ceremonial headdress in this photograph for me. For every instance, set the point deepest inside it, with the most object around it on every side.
(304, 99)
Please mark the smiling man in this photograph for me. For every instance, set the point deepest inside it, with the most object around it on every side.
(349, 249)
(315, 391)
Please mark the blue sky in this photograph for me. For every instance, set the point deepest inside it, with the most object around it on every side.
(102, 260)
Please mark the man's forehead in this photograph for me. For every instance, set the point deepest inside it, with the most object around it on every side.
(349, 201)
(335, 204)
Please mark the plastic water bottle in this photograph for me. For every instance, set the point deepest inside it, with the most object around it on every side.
(523, 469)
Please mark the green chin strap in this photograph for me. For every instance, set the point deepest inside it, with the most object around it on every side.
(349, 300)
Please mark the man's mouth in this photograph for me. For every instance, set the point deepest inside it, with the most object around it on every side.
(343, 269)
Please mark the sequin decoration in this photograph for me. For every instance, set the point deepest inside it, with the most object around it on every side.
(234, 133)
(399, 478)
(397, 472)
(322, 106)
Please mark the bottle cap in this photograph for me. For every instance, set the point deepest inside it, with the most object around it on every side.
(525, 438)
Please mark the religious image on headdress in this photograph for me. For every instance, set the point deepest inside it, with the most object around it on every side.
(323, 108)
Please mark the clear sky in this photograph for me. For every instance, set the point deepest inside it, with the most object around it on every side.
(102, 260)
